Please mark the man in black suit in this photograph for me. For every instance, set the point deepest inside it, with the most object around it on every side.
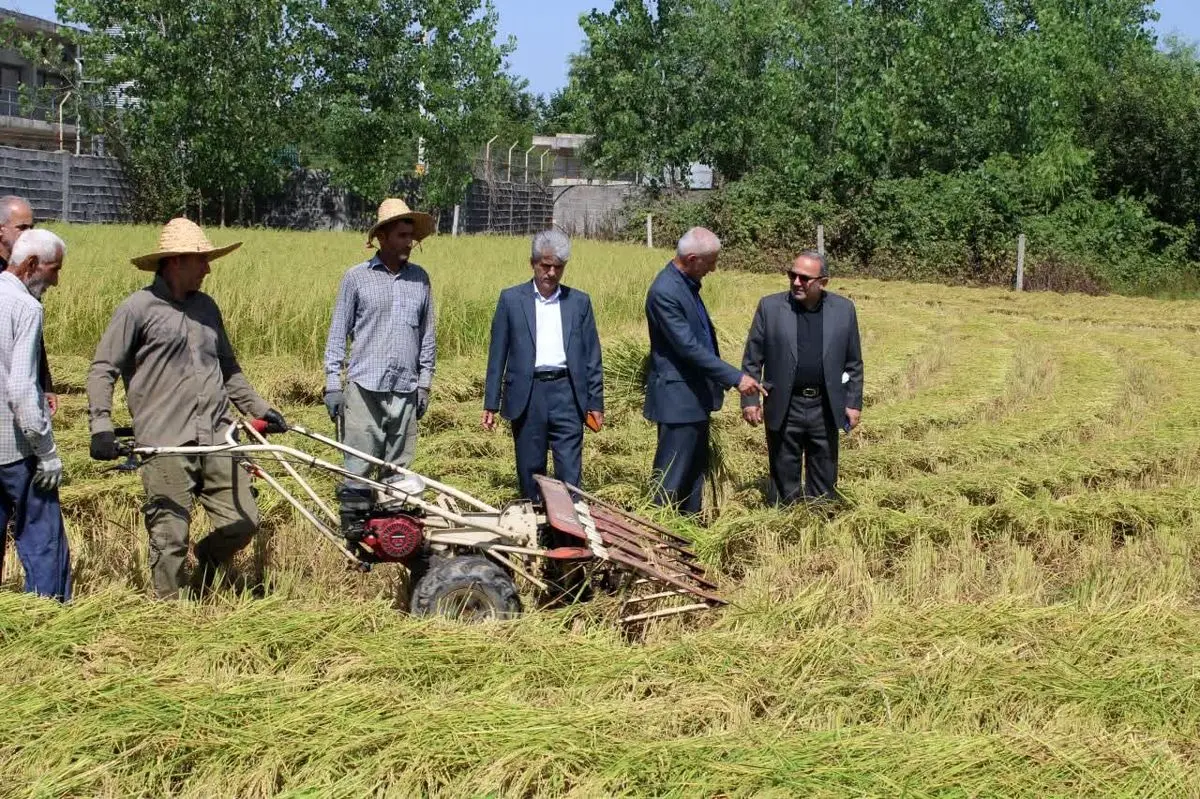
(687, 379)
(807, 340)
(545, 354)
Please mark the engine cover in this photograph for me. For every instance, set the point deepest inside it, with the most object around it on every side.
(394, 537)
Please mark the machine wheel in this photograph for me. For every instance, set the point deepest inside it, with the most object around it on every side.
(469, 588)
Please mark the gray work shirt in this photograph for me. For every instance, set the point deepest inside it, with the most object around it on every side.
(178, 367)
(389, 318)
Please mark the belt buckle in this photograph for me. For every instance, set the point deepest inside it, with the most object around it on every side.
(809, 392)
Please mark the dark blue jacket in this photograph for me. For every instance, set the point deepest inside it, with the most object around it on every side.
(513, 349)
(687, 379)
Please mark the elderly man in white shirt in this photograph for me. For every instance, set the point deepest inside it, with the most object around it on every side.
(544, 371)
(30, 469)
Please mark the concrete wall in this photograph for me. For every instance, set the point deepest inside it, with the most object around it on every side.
(591, 211)
(309, 201)
(502, 207)
(64, 186)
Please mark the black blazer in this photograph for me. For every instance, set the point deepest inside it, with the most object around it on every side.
(513, 350)
(686, 380)
(770, 356)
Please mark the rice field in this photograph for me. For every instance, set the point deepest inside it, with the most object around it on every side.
(1007, 606)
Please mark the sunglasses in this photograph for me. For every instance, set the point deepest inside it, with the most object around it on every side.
(804, 279)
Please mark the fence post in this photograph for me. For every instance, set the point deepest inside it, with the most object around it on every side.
(650, 231)
(1020, 284)
(66, 187)
(454, 227)
(821, 239)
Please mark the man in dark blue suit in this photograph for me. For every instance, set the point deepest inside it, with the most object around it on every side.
(544, 371)
(687, 379)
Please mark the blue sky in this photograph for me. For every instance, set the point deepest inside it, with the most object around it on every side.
(547, 31)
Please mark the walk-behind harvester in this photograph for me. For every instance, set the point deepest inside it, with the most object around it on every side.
(464, 557)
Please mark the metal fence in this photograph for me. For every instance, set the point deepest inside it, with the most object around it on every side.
(504, 197)
(39, 105)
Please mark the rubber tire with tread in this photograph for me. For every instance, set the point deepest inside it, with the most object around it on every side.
(476, 573)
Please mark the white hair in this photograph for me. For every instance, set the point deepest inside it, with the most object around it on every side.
(42, 243)
(698, 241)
(7, 203)
(551, 242)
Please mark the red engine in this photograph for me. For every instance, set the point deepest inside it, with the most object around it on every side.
(395, 537)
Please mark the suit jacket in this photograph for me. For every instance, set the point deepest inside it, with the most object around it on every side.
(686, 381)
(513, 349)
(771, 355)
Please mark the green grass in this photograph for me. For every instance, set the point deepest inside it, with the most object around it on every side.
(1005, 608)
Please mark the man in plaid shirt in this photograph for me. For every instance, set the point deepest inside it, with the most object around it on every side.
(385, 309)
(30, 469)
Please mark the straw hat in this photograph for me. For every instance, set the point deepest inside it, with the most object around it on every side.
(182, 236)
(392, 209)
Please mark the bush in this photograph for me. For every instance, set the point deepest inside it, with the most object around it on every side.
(960, 227)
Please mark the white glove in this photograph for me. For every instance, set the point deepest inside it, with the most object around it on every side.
(49, 473)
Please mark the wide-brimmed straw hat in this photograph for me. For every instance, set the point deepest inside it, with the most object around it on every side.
(182, 236)
(392, 209)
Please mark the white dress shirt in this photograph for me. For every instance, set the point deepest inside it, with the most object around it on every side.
(550, 352)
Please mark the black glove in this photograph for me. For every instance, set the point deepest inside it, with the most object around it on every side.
(275, 422)
(334, 402)
(104, 446)
(422, 401)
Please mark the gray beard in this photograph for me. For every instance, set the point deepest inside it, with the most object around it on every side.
(37, 288)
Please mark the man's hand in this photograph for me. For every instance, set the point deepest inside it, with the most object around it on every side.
(52, 401)
(488, 422)
(852, 416)
(275, 422)
(104, 446)
(49, 473)
(335, 402)
(748, 385)
(598, 420)
(753, 415)
(422, 401)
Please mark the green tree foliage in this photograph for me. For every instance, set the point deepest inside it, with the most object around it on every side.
(208, 90)
(223, 94)
(910, 127)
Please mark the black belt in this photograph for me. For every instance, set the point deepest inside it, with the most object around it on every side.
(807, 391)
(550, 374)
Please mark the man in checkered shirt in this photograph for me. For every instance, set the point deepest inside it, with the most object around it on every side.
(30, 469)
(385, 309)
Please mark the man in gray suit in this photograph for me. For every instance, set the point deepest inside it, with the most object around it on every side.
(806, 339)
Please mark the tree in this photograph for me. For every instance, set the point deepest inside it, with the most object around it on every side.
(209, 86)
(387, 78)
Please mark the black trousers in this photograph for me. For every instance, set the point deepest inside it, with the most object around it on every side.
(807, 438)
(679, 465)
(551, 421)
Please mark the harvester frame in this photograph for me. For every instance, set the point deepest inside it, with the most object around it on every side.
(460, 550)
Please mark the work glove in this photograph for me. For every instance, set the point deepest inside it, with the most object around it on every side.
(335, 401)
(49, 473)
(104, 446)
(422, 401)
(275, 422)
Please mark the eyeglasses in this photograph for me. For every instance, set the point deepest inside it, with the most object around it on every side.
(804, 279)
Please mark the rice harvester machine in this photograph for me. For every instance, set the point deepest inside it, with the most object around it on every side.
(466, 558)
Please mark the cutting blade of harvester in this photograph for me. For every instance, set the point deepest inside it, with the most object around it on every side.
(670, 572)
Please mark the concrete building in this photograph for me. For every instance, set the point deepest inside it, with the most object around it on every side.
(589, 204)
(31, 95)
(568, 167)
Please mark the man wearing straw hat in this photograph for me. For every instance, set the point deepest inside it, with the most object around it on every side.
(168, 344)
(384, 309)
